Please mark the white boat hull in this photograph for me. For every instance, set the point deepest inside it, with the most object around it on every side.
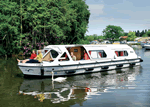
(81, 68)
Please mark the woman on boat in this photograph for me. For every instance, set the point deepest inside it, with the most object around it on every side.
(33, 55)
(38, 59)
(86, 56)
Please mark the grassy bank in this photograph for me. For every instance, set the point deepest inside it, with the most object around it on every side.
(135, 44)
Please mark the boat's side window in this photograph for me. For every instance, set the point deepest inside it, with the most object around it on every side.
(45, 51)
(94, 54)
(102, 54)
(64, 57)
(97, 54)
(54, 53)
(121, 53)
(131, 51)
(125, 53)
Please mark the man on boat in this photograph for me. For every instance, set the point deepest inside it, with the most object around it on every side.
(73, 56)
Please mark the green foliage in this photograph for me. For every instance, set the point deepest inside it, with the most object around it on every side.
(138, 33)
(125, 34)
(9, 25)
(52, 21)
(116, 39)
(2, 52)
(95, 36)
(142, 33)
(90, 38)
(148, 33)
(145, 35)
(101, 37)
(83, 42)
(113, 32)
(131, 36)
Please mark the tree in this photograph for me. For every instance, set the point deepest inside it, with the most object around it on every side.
(138, 33)
(95, 36)
(125, 34)
(131, 36)
(148, 33)
(101, 37)
(142, 33)
(90, 38)
(135, 33)
(9, 26)
(113, 32)
(145, 30)
(145, 35)
(41, 21)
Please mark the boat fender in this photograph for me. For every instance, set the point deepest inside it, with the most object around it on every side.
(105, 67)
(120, 65)
(89, 69)
(141, 60)
(42, 71)
(70, 71)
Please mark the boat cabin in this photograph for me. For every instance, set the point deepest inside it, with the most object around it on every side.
(58, 53)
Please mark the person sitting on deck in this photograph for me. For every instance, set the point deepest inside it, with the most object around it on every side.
(73, 56)
(86, 56)
(33, 55)
(38, 59)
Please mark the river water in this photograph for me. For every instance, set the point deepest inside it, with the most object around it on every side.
(128, 87)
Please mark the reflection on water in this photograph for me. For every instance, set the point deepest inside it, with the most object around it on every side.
(81, 87)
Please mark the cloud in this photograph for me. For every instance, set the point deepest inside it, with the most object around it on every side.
(96, 9)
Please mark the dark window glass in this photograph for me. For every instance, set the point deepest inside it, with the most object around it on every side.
(54, 53)
(125, 53)
(75, 50)
(121, 53)
(64, 57)
(103, 54)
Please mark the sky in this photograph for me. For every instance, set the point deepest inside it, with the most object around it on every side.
(130, 15)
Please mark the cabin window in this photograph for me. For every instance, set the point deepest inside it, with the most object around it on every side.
(64, 57)
(121, 53)
(54, 53)
(131, 51)
(102, 54)
(90, 52)
(75, 50)
(125, 53)
(45, 51)
(97, 54)
(47, 57)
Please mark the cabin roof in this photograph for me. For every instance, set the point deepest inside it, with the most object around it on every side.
(73, 45)
(112, 46)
